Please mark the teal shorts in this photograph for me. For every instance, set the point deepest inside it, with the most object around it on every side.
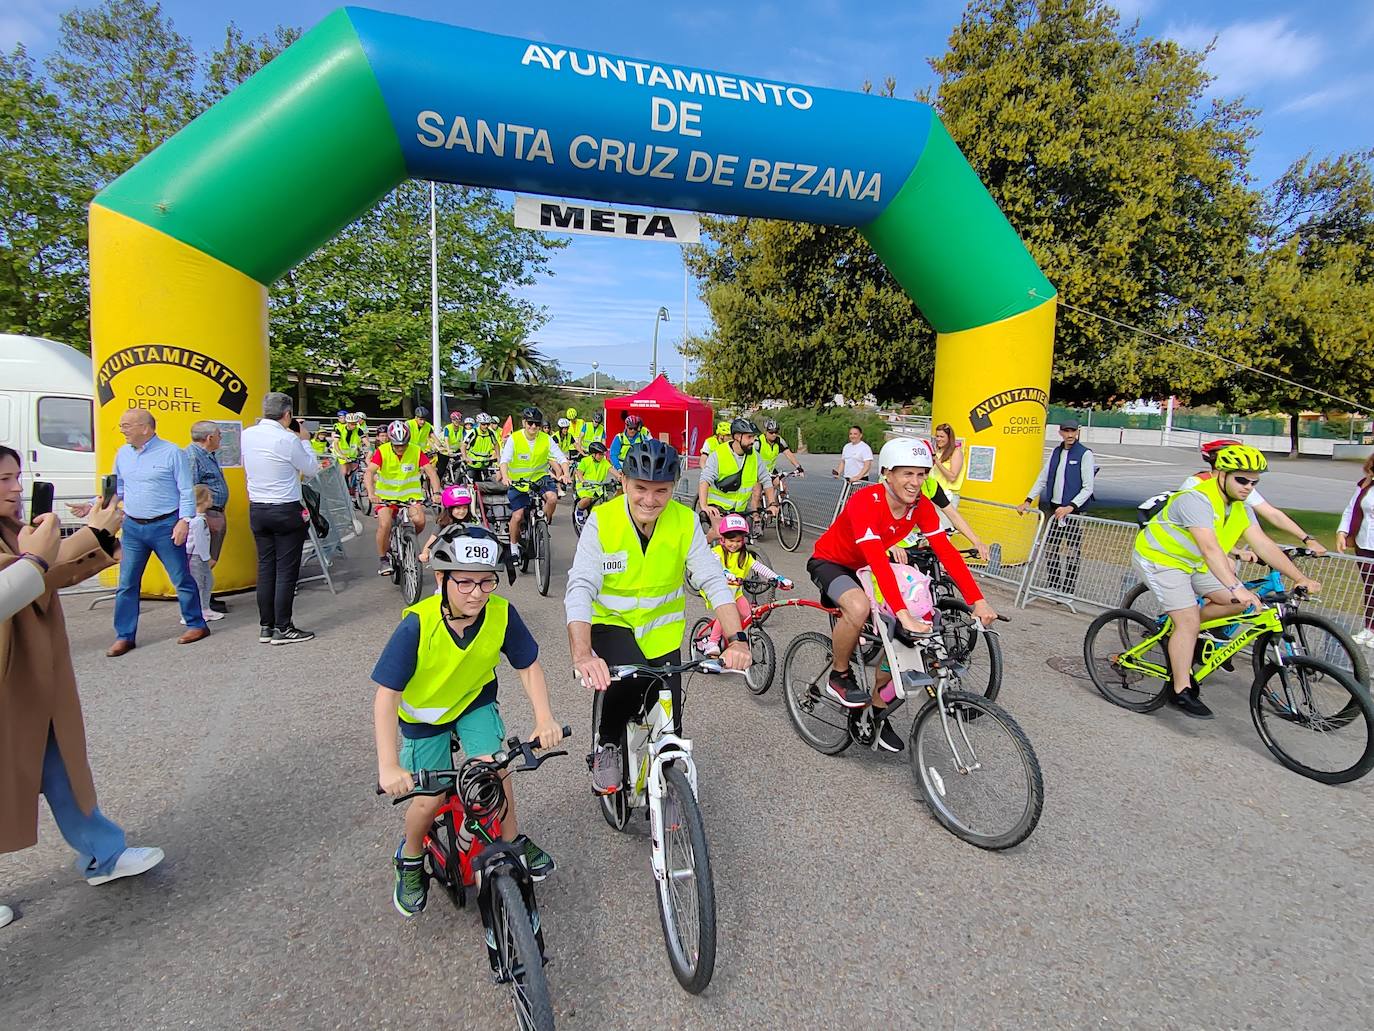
(479, 730)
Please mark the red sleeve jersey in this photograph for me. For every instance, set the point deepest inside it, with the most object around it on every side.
(376, 458)
(424, 459)
(866, 529)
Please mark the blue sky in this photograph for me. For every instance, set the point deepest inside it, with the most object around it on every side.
(1305, 65)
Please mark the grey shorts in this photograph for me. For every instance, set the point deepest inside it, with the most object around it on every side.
(1175, 589)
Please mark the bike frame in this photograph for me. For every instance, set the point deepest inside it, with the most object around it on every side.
(649, 747)
(479, 837)
(1257, 624)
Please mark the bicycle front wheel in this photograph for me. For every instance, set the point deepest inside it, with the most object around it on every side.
(1313, 635)
(701, 632)
(580, 516)
(789, 525)
(543, 557)
(976, 770)
(687, 895)
(1314, 719)
(759, 676)
(520, 960)
(1141, 683)
(821, 722)
(412, 578)
(979, 654)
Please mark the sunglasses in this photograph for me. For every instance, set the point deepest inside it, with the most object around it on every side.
(1245, 481)
(487, 583)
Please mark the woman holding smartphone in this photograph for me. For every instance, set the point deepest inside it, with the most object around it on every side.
(39, 706)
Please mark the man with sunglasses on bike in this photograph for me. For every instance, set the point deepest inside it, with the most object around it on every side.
(436, 677)
(1181, 552)
(529, 455)
(733, 479)
(873, 522)
(626, 602)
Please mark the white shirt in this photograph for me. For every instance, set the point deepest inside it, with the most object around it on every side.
(1365, 538)
(198, 538)
(855, 455)
(274, 460)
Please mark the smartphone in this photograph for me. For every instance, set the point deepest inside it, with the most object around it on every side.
(108, 490)
(40, 503)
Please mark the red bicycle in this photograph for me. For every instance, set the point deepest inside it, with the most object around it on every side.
(464, 850)
(759, 676)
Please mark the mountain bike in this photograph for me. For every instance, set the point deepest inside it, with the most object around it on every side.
(601, 493)
(536, 543)
(357, 489)
(1304, 633)
(759, 676)
(1325, 710)
(972, 763)
(788, 521)
(463, 850)
(659, 777)
(403, 551)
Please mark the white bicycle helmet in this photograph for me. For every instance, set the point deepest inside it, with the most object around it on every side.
(398, 432)
(563, 424)
(900, 451)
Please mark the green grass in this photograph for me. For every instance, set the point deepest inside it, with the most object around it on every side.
(1321, 525)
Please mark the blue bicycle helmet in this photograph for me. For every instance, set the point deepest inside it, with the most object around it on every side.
(651, 460)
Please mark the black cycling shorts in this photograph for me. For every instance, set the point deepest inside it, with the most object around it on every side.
(832, 579)
(626, 699)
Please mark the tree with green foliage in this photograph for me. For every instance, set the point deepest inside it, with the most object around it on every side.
(45, 184)
(238, 59)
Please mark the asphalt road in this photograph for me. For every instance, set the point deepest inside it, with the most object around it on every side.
(1178, 878)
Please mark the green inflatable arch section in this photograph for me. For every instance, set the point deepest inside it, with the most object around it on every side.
(314, 139)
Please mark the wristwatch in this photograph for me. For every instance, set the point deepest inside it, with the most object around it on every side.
(740, 636)
(1309, 537)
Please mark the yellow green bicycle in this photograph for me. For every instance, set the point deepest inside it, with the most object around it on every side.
(1311, 715)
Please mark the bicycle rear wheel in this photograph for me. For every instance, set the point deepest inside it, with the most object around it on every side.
(412, 578)
(1141, 599)
(789, 525)
(1111, 634)
(1314, 719)
(701, 629)
(979, 654)
(518, 954)
(1313, 635)
(687, 895)
(976, 770)
(821, 722)
(543, 556)
(759, 676)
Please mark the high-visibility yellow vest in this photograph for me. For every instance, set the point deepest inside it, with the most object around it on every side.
(483, 447)
(589, 432)
(350, 440)
(420, 432)
(727, 465)
(738, 572)
(628, 442)
(1168, 545)
(447, 677)
(453, 435)
(319, 446)
(641, 588)
(593, 473)
(529, 459)
(399, 477)
(768, 453)
(565, 441)
(957, 483)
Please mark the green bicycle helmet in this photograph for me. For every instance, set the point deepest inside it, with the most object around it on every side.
(1241, 458)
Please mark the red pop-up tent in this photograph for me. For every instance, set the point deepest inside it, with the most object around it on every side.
(682, 420)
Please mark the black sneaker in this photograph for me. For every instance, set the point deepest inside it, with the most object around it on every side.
(265, 635)
(1191, 704)
(538, 862)
(888, 739)
(292, 635)
(842, 688)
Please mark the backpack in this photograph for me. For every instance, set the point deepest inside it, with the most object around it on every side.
(1151, 507)
(310, 497)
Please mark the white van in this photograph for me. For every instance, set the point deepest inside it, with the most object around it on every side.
(47, 410)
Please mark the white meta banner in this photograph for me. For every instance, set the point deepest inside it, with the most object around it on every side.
(553, 216)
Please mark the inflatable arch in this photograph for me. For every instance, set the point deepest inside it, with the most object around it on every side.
(184, 245)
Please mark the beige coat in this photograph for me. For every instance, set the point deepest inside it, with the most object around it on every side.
(38, 690)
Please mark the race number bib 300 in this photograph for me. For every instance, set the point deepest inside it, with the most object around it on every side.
(616, 562)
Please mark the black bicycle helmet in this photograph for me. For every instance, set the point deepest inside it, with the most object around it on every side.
(596, 447)
(651, 460)
(422, 412)
(743, 425)
(598, 416)
(532, 414)
(770, 426)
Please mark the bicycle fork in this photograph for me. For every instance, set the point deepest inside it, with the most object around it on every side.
(667, 748)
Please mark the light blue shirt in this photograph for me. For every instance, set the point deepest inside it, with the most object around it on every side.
(155, 479)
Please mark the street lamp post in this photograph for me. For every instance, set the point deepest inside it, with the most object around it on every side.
(595, 366)
(662, 316)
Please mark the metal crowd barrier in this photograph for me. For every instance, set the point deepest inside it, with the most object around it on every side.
(1081, 560)
(1009, 535)
(337, 508)
(1344, 597)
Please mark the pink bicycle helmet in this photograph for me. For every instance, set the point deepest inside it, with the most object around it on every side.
(734, 523)
(455, 494)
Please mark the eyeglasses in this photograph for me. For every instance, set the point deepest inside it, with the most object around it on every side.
(1245, 481)
(487, 583)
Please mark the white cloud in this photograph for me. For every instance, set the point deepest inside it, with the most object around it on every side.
(1248, 54)
(1346, 89)
(1130, 10)
(30, 22)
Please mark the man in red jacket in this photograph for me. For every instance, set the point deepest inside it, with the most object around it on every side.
(873, 521)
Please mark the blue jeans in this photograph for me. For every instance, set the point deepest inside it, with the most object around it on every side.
(141, 541)
(98, 841)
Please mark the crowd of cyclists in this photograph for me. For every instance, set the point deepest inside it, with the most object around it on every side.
(641, 553)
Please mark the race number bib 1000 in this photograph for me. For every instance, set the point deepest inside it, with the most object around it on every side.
(616, 562)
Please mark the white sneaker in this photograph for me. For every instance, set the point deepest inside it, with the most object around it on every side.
(131, 863)
(6, 915)
(211, 615)
(1365, 637)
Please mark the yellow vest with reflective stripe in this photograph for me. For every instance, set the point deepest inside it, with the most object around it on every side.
(727, 464)
(739, 572)
(642, 588)
(349, 442)
(1168, 545)
(420, 432)
(768, 453)
(447, 678)
(529, 459)
(483, 446)
(399, 478)
(453, 435)
(592, 474)
(589, 432)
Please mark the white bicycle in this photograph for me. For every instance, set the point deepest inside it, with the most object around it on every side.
(659, 777)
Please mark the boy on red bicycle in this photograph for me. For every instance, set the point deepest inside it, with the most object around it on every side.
(437, 678)
(873, 521)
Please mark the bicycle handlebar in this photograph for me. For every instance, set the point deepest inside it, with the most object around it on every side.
(627, 670)
(436, 782)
